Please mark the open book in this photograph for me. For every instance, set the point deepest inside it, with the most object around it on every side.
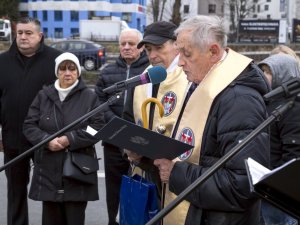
(280, 187)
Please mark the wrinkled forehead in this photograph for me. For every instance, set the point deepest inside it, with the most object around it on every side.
(184, 42)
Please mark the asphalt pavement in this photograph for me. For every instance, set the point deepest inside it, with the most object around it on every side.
(96, 213)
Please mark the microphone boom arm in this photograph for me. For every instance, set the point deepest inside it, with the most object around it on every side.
(110, 101)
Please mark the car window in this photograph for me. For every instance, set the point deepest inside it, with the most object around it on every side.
(77, 46)
(60, 46)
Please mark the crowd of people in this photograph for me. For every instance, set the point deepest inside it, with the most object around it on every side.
(213, 97)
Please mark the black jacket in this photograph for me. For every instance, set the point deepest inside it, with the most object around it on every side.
(46, 116)
(114, 73)
(19, 84)
(225, 198)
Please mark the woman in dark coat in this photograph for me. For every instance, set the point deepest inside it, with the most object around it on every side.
(56, 106)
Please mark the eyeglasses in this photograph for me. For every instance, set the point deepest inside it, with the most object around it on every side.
(65, 67)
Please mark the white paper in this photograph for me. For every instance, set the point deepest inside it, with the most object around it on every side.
(91, 130)
(257, 171)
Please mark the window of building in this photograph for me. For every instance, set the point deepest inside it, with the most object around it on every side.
(186, 9)
(127, 17)
(268, 0)
(212, 8)
(45, 15)
(258, 8)
(74, 32)
(58, 32)
(266, 7)
(91, 15)
(58, 15)
(74, 15)
(34, 14)
(268, 16)
(126, 1)
(254, 16)
(45, 32)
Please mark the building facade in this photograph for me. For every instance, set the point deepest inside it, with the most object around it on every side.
(60, 18)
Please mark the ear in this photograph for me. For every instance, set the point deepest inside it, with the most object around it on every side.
(215, 52)
(40, 35)
(142, 49)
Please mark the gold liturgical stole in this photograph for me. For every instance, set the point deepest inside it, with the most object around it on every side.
(192, 123)
(171, 93)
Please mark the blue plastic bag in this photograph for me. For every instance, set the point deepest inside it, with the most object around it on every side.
(138, 200)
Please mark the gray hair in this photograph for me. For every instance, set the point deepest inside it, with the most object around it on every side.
(26, 20)
(138, 33)
(205, 30)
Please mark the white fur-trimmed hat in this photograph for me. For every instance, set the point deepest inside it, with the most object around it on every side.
(67, 56)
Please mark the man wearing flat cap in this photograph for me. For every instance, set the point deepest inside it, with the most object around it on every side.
(159, 42)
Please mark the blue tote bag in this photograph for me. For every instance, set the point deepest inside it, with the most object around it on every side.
(138, 200)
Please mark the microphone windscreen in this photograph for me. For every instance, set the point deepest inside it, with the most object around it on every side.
(157, 74)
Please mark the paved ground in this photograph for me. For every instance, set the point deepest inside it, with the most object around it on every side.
(96, 213)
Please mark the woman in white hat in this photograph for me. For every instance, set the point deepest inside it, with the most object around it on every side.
(56, 106)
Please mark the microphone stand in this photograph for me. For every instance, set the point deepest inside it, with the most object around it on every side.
(276, 114)
(110, 101)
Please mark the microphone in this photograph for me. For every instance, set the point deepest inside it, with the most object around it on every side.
(154, 75)
(286, 90)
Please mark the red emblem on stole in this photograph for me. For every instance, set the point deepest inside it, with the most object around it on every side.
(187, 136)
(169, 101)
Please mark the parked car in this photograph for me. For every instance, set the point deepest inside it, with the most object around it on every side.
(90, 54)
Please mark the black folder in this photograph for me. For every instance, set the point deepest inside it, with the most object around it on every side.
(153, 145)
(280, 187)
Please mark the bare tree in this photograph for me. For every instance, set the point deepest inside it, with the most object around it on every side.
(155, 9)
(9, 9)
(238, 10)
(162, 9)
(176, 15)
(165, 10)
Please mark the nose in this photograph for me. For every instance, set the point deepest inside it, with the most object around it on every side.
(152, 55)
(23, 35)
(181, 61)
(127, 45)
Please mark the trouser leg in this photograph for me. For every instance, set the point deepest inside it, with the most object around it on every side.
(115, 166)
(17, 181)
(63, 213)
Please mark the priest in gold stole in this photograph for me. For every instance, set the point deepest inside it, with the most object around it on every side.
(225, 103)
(159, 42)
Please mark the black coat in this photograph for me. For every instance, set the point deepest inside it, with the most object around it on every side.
(46, 116)
(19, 84)
(225, 198)
(114, 73)
(285, 134)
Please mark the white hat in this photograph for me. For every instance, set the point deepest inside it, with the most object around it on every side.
(67, 56)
